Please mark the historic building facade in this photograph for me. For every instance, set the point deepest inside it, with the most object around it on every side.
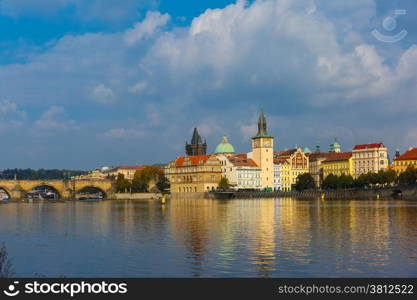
(369, 158)
(127, 171)
(315, 167)
(338, 164)
(282, 177)
(402, 162)
(196, 147)
(292, 162)
(194, 174)
(263, 153)
(241, 171)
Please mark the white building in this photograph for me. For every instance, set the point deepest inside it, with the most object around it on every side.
(369, 158)
(241, 171)
(277, 177)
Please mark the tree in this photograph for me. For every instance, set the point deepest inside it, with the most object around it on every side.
(330, 182)
(304, 182)
(387, 177)
(345, 181)
(144, 178)
(409, 176)
(224, 183)
(122, 184)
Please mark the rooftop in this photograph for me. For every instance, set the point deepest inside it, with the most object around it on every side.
(242, 160)
(334, 157)
(409, 155)
(368, 146)
(195, 160)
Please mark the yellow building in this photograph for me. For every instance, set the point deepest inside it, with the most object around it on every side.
(338, 164)
(194, 174)
(263, 153)
(290, 163)
(402, 162)
(127, 171)
(315, 167)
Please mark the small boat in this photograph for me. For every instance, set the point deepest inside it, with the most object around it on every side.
(90, 198)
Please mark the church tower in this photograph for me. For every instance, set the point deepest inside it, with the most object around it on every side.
(263, 153)
(197, 147)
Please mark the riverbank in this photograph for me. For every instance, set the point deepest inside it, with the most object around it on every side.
(406, 193)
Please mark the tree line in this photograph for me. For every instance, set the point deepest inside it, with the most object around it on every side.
(382, 178)
(41, 174)
(142, 181)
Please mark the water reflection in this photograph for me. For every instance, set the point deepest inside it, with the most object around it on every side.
(208, 238)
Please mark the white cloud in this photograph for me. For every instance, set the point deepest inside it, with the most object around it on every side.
(103, 94)
(9, 109)
(54, 119)
(138, 87)
(305, 59)
(122, 133)
(146, 28)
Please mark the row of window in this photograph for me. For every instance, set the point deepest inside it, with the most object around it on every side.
(367, 155)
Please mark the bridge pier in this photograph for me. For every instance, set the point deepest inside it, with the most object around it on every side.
(67, 189)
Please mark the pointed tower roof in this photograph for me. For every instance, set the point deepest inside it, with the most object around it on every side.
(262, 127)
(196, 139)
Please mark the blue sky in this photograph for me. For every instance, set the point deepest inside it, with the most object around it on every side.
(85, 83)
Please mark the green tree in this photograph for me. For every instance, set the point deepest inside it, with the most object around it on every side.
(304, 182)
(362, 181)
(330, 182)
(122, 184)
(409, 176)
(345, 181)
(143, 179)
(224, 183)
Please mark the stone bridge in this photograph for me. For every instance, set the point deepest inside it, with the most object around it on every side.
(66, 189)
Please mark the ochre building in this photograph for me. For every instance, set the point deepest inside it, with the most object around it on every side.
(194, 174)
(338, 164)
(402, 162)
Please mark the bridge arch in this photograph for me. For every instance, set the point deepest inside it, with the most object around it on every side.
(8, 193)
(46, 186)
(91, 190)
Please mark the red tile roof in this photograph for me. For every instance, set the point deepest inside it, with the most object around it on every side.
(409, 155)
(338, 157)
(368, 146)
(287, 152)
(280, 161)
(128, 168)
(193, 159)
(242, 160)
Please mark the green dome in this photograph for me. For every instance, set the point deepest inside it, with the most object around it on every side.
(224, 147)
(307, 150)
(335, 146)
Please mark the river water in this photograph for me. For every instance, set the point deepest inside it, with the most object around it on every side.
(281, 237)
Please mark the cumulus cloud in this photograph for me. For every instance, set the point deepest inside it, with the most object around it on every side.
(103, 94)
(147, 28)
(309, 63)
(54, 118)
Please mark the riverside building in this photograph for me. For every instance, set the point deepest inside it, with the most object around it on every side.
(369, 158)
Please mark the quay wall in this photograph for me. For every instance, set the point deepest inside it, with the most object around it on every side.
(352, 194)
(137, 196)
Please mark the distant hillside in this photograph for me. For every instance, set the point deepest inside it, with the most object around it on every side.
(29, 174)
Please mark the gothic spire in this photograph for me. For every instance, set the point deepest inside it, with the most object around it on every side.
(196, 139)
(262, 128)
